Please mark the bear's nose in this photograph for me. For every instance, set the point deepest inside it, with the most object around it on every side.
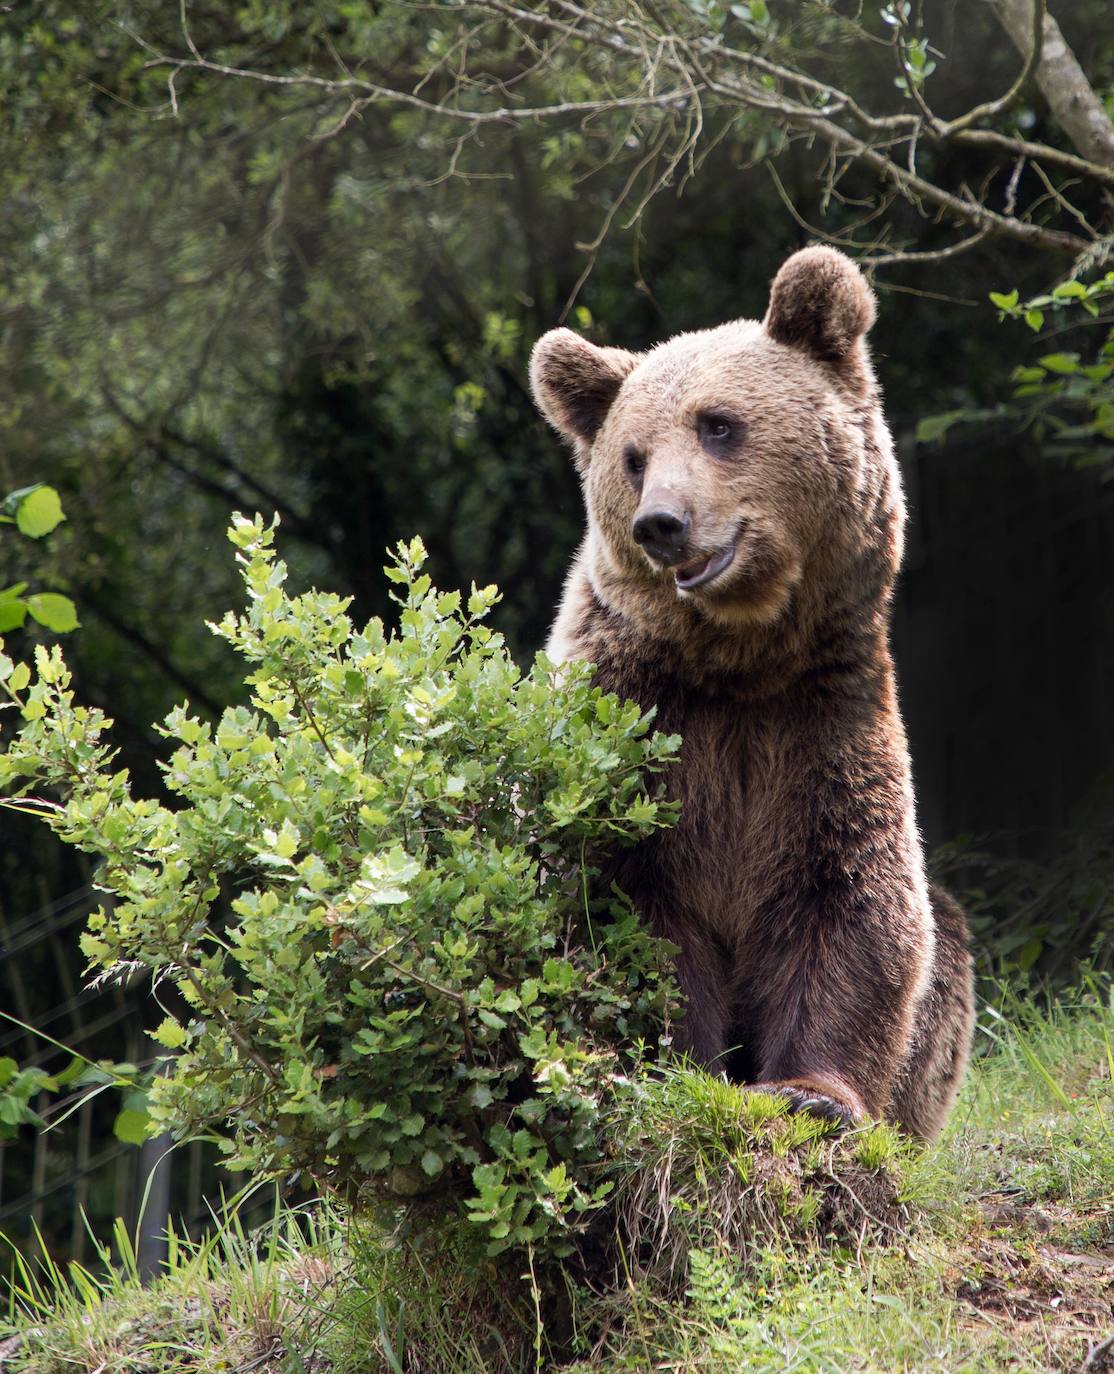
(662, 533)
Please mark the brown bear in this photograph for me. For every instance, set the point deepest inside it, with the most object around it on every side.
(745, 520)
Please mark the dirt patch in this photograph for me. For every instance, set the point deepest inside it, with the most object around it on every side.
(1030, 1283)
(1076, 1229)
(1019, 1273)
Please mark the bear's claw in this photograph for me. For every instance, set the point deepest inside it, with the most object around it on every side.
(817, 1103)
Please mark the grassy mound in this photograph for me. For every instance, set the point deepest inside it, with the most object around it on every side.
(740, 1237)
(702, 1163)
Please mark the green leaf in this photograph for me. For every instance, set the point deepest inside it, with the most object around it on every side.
(933, 427)
(132, 1127)
(72, 1072)
(170, 1033)
(1034, 319)
(10, 504)
(19, 678)
(1006, 302)
(8, 1070)
(12, 1111)
(12, 614)
(53, 611)
(1062, 363)
(39, 512)
(480, 1095)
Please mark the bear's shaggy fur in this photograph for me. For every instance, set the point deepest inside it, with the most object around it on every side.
(744, 531)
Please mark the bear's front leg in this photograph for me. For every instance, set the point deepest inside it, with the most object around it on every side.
(704, 977)
(835, 965)
(836, 1026)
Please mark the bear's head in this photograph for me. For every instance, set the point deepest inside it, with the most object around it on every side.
(726, 469)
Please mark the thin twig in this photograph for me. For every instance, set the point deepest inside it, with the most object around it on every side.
(928, 254)
(230, 1028)
(450, 993)
(1056, 193)
(989, 108)
(990, 138)
(1011, 185)
(1096, 1353)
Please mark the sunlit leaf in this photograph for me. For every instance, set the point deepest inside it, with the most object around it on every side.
(53, 611)
(39, 512)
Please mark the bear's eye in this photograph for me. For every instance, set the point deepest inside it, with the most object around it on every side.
(635, 461)
(719, 433)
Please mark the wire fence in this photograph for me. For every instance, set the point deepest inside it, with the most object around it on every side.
(70, 1181)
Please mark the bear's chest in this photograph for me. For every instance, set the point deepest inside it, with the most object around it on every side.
(714, 863)
(709, 859)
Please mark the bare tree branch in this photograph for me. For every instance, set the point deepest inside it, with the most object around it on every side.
(648, 50)
(957, 131)
(990, 138)
(968, 211)
(867, 253)
(927, 254)
(373, 91)
(591, 25)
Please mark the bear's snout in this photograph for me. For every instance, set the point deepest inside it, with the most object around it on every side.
(662, 530)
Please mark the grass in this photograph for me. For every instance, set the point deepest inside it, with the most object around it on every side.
(741, 1238)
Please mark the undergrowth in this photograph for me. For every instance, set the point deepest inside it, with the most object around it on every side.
(739, 1237)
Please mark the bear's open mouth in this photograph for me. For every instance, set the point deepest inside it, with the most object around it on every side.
(700, 571)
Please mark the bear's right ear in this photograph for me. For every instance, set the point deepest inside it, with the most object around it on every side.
(574, 382)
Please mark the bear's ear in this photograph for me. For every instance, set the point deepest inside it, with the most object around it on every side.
(574, 382)
(821, 302)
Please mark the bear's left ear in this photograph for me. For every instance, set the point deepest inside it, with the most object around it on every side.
(574, 382)
(820, 302)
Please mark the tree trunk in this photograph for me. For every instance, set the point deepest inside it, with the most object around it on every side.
(1062, 82)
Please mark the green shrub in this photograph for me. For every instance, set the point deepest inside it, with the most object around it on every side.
(375, 898)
